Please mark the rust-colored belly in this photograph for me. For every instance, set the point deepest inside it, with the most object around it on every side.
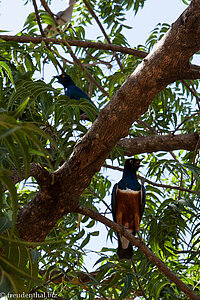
(128, 209)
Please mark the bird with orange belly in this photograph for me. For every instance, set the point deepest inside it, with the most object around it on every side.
(128, 202)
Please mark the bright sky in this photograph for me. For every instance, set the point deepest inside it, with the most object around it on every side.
(12, 17)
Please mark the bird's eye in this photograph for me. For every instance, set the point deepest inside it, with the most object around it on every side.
(131, 161)
(63, 76)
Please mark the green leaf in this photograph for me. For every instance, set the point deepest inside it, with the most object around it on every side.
(14, 199)
(5, 284)
(195, 170)
(5, 224)
(95, 233)
(8, 71)
(127, 285)
(85, 242)
(7, 265)
(21, 108)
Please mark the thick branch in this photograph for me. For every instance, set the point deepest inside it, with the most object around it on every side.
(131, 146)
(162, 66)
(153, 143)
(37, 171)
(147, 252)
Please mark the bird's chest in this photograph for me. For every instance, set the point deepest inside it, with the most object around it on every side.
(128, 205)
(128, 208)
(128, 199)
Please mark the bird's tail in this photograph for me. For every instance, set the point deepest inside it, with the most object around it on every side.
(124, 253)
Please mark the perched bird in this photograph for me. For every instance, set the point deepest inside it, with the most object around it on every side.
(62, 17)
(71, 90)
(128, 202)
(66, 15)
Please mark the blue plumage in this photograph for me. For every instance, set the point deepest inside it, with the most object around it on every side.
(128, 202)
(74, 92)
(71, 90)
(129, 178)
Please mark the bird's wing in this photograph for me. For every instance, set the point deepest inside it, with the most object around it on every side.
(74, 92)
(114, 202)
(143, 201)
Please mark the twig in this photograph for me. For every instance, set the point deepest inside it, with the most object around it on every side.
(168, 186)
(181, 182)
(97, 196)
(146, 125)
(38, 18)
(94, 58)
(78, 62)
(46, 7)
(103, 31)
(138, 281)
(192, 90)
(143, 179)
(187, 119)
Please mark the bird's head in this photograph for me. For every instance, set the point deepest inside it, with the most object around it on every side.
(132, 164)
(65, 80)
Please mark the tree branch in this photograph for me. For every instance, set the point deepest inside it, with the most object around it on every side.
(103, 31)
(192, 72)
(153, 143)
(41, 175)
(46, 7)
(186, 119)
(162, 66)
(38, 18)
(143, 179)
(77, 43)
(131, 146)
(143, 248)
(193, 92)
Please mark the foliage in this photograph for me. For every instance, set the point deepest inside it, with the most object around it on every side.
(38, 124)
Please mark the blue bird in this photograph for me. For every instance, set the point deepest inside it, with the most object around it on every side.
(128, 202)
(71, 90)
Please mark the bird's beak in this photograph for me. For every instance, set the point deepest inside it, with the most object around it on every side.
(55, 77)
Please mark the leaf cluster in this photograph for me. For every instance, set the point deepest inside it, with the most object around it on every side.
(39, 124)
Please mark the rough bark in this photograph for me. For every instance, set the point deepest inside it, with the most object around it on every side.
(153, 143)
(169, 61)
